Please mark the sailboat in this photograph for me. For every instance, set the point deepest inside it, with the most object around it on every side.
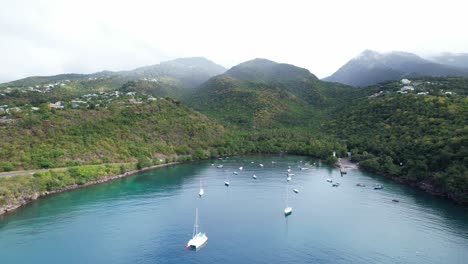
(199, 238)
(254, 176)
(227, 181)
(201, 192)
(288, 209)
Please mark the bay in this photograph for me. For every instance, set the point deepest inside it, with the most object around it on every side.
(149, 217)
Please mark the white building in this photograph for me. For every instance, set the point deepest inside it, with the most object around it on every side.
(405, 81)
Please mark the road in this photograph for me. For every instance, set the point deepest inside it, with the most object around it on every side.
(14, 173)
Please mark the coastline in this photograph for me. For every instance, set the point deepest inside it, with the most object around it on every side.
(26, 200)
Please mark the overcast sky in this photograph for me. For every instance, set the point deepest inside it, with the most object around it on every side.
(46, 37)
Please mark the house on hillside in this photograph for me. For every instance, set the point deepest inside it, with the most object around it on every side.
(57, 105)
(405, 81)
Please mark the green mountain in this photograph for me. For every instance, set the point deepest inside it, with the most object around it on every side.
(418, 136)
(265, 94)
(412, 130)
(171, 78)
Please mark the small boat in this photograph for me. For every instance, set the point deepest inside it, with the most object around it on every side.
(296, 190)
(287, 209)
(395, 200)
(289, 170)
(254, 176)
(336, 184)
(219, 166)
(378, 187)
(235, 173)
(273, 162)
(360, 185)
(303, 168)
(343, 170)
(227, 180)
(261, 165)
(241, 168)
(288, 178)
(290, 174)
(201, 192)
(198, 239)
(252, 162)
(329, 180)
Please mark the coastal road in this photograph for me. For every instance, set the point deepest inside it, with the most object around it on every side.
(14, 173)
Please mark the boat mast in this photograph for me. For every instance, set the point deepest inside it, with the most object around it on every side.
(196, 222)
(195, 226)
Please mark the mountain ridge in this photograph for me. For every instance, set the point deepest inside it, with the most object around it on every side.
(371, 67)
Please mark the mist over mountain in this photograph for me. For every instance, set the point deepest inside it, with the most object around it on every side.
(371, 67)
(172, 78)
(452, 59)
(190, 72)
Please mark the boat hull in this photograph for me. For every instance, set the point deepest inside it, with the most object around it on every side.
(198, 241)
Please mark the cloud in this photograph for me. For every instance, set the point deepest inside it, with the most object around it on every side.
(51, 37)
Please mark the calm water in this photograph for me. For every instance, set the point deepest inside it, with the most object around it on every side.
(148, 218)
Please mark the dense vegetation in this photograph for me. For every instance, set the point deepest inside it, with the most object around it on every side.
(418, 139)
(119, 133)
(416, 135)
(20, 189)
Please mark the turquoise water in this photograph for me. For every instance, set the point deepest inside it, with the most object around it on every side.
(148, 218)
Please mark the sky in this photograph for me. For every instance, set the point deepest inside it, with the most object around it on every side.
(48, 37)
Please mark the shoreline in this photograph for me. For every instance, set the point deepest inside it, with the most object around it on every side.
(26, 200)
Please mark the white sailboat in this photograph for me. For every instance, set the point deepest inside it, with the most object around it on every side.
(254, 176)
(288, 209)
(201, 192)
(227, 180)
(199, 238)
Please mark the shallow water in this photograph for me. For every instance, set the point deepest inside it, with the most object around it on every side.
(149, 217)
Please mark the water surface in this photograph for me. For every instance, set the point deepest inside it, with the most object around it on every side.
(148, 218)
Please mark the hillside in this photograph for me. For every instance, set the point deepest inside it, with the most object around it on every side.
(171, 78)
(122, 131)
(265, 94)
(417, 137)
(412, 130)
(371, 67)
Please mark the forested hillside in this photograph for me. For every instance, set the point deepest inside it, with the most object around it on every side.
(415, 137)
(120, 132)
(412, 130)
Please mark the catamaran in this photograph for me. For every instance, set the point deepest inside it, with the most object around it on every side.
(199, 239)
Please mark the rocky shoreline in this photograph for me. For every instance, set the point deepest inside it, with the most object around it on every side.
(28, 199)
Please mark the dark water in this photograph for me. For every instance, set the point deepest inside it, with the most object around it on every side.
(147, 218)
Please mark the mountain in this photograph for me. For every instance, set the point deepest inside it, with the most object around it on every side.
(371, 67)
(417, 137)
(452, 59)
(191, 72)
(264, 94)
(171, 78)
